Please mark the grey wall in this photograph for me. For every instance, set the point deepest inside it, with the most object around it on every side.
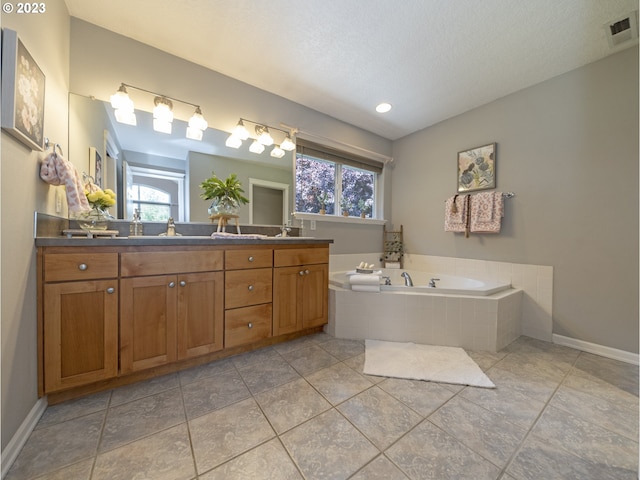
(568, 148)
(23, 193)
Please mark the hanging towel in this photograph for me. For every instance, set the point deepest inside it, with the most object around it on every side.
(55, 170)
(479, 207)
(456, 214)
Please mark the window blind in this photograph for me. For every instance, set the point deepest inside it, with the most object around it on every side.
(311, 149)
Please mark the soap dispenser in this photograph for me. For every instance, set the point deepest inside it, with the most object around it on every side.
(135, 227)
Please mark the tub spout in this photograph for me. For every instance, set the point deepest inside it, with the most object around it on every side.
(407, 279)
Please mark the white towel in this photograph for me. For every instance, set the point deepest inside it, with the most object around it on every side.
(366, 288)
(361, 282)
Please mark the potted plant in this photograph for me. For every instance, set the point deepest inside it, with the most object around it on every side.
(345, 205)
(323, 198)
(365, 207)
(226, 195)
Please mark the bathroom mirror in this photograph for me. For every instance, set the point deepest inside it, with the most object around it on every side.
(125, 155)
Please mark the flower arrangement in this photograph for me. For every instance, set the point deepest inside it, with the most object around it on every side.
(226, 194)
(98, 198)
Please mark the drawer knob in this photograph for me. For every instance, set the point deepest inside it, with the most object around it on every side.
(250, 325)
(301, 272)
(111, 290)
(82, 267)
(306, 272)
(250, 288)
(183, 283)
(251, 258)
(172, 284)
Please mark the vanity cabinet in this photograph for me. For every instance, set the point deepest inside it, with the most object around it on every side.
(248, 296)
(109, 315)
(165, 318)
(300, 282)
(79, 331)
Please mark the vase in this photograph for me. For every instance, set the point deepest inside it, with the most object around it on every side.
(224, 206)
(94, 219)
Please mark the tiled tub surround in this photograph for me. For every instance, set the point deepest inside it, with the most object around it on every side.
(304, 410)
(483, 323)
(535, 281)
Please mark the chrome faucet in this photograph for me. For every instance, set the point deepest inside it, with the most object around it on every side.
(407, 279)
(387, 280)
(432, 282)
(171, 228)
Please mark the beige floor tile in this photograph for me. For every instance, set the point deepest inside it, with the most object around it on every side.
(211, 393)
(338, 383)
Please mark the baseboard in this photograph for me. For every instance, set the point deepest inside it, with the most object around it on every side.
(596, 349)
(11, 451)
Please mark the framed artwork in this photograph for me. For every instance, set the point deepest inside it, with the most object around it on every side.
(95, 165)
(477, 168)
(22, 92)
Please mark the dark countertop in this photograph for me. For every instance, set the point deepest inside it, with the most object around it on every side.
(149, 240)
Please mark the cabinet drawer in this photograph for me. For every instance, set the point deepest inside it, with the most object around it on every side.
(247, 325)
(135, 264)
(247, 287)
(239, 259)
(60, 267)
(300, 256)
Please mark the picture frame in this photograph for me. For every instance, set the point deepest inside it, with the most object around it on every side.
(477, 168)
(95, 166)
(23, 89)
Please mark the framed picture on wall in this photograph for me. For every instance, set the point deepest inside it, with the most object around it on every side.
(22, 92)
(477, 168)
(95, 165)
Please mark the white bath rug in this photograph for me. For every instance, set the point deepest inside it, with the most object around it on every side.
(423, 362)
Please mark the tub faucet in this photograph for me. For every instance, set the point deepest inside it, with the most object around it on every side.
(387, 280)
(407, 279)
(432, 282)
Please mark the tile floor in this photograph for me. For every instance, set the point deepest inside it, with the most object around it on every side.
(303, 410)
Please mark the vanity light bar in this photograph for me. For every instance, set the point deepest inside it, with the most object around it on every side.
(263, 138)
(163, 112)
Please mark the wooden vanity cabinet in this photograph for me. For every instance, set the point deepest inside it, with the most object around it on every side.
(164, 318)
(301, 287)
(78, 318)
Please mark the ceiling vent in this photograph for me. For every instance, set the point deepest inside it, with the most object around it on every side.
(622, 30)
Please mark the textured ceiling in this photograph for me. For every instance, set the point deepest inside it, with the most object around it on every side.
(431, 59)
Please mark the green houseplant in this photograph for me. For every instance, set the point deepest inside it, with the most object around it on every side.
(226, 195)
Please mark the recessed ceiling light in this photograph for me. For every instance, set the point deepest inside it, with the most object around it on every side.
(383, 108)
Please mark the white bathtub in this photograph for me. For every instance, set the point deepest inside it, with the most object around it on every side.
(445, 284)
(458, 312)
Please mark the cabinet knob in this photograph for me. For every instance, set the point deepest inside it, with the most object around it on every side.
(251, 258)
(306, 272)
(250, 288)
(172, 284)
(110, 290)
(82, 267)
(183, 283)
(250, 325)
(301, 272)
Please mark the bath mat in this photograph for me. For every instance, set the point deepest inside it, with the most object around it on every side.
(423, 362)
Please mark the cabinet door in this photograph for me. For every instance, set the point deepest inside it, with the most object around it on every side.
(148, 322)
(285, 300)
(200, 313)
(313, 295)
(80, 333)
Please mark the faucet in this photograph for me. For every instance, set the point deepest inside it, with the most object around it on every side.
(171, 229)
(285, 229)
(387, 280)
(407, 279)
(432, 282)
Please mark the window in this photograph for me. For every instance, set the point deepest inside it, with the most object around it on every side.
(154, 204)
(340, 182)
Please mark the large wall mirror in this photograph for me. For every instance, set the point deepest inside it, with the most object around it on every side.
(127, 158)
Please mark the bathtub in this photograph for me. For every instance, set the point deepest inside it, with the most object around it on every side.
(460, 312)
(445, 284)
